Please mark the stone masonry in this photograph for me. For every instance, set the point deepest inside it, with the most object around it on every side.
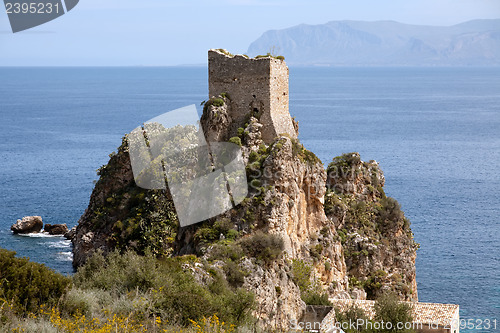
(257, 87)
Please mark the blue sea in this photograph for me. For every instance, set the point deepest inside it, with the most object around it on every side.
(434, 131)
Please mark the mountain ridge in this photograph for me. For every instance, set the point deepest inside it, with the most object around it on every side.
(385, 43)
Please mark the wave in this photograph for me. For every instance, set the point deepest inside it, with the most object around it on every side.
(40, 235)
(60, 244)
(65, 256)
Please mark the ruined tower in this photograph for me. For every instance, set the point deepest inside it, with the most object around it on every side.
(257, 87)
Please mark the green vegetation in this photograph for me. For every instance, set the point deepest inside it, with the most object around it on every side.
(328, 266)
(351, 315)
(149, 222)
(208, 233)
(298, 150)
(388, 309)
(373, 283)
(254, 170)
(343, 165)
(316, 251)
(269, 55)
(263, 247)
(171, 290)
(236, 140)
(225, 52)
(137, 219)
(302, 153)
(215, 101)
(310, 291)
(371, 216)
(122, 292)
(390, 215)
(27, 285)
(315, 298)
(301, 274)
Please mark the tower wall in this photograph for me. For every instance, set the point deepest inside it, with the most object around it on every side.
(257, 87)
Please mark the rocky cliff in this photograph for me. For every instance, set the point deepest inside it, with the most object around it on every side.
(303, 234)
(379, 249)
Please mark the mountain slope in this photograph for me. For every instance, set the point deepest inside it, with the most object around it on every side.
(385, 43)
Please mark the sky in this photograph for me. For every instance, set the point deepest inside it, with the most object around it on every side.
(168, 33)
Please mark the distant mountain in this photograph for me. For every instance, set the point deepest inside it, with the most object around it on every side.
(385, 43)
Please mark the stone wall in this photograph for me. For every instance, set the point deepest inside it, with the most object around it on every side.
(257, 87)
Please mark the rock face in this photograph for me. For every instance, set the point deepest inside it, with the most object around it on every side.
(378, 244)
(56, 229)
(70, 234)
(28, 225)
(341, 236)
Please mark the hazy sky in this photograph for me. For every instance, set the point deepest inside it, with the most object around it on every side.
(162, 32)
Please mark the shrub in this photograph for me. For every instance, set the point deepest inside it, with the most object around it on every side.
(224, 252)
(389, 309)
(374, 282)
(232, 234)
(173, 291)
(264, 247)
(269, 55)
(351, 315)
(254, 156)
(255, 183)
(316, 298)
(85, 302)
(301, 274)
(328, 266)
(316, 251)
(342, 166)
(213, 101)
(234, 274)
(119, 273)
(27, 285)
(390, 214)
(303, 154)
(209, 233)
(236, 140)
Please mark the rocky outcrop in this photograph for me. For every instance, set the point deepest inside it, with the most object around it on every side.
(56, 229)
(27, 225)
(378, 244)
(278, 297)
(122, 216)
(329, 234)
(70, 234)
(216, 119)
(94, 228)
(287, 185)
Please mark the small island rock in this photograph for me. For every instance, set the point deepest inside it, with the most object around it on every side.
(56, 229)
(27, 225)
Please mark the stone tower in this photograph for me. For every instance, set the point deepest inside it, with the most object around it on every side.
(257, 87)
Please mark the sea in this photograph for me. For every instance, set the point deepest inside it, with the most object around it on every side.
(434, 131)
